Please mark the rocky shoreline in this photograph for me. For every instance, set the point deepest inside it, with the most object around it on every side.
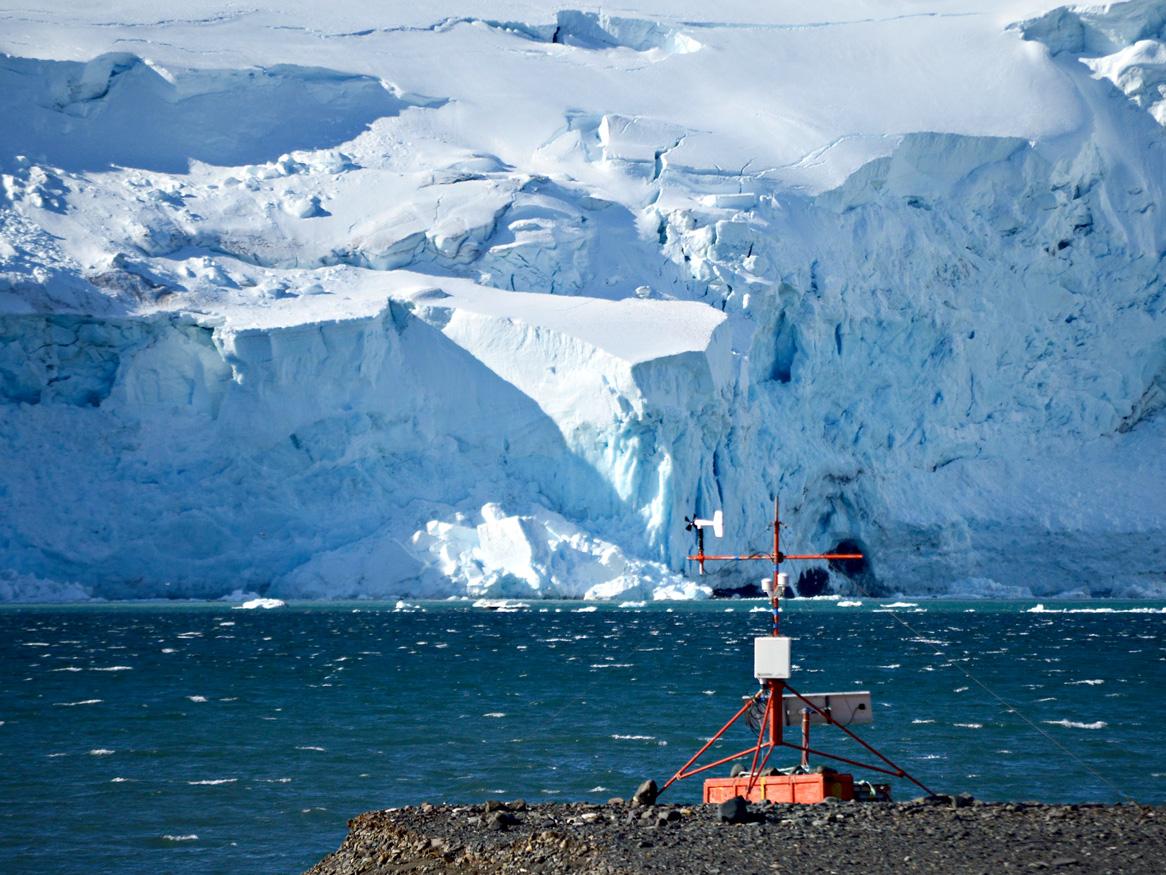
(927, 835)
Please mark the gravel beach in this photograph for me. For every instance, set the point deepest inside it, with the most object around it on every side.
(944, 835)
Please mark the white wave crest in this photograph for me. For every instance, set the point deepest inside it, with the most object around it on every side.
(1075, 724)
(1041, 609)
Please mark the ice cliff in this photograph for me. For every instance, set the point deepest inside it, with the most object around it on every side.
(379, 301)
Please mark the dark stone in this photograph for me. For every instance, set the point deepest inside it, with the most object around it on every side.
(499, 821)
(963, 800)
(646, 793)
(494, 805)
(517, 805)
(1061, 862)
(734, 810)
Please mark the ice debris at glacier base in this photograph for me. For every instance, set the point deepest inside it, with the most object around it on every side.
(439, 304)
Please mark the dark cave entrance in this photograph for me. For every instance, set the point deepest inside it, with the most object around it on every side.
(812, 582)
(853, 568)
(816, 581)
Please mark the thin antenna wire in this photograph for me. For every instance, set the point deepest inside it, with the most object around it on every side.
(1014, 710)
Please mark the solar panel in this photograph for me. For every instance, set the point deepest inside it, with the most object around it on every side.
(844, 708)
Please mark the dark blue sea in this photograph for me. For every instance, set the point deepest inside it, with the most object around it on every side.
(146, 738)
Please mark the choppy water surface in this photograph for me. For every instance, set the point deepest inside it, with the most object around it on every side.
(149, 738)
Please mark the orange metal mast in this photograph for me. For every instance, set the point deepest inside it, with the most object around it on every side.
(774, 688)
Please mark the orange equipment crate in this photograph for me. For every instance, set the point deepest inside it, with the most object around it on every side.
(805, 789)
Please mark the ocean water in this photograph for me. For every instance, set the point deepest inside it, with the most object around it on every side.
(199, 738)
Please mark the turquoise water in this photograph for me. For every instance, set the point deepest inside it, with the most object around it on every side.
(196, 738)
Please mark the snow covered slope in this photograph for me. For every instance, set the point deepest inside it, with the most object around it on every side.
(464, 298)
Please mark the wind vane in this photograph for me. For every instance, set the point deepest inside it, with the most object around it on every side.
(777, 704)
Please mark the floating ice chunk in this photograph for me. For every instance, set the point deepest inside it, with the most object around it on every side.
(501, 605)
(266, 604)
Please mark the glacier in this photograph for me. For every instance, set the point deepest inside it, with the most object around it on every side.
(409, 302)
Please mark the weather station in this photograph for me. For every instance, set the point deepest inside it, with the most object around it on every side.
(777, 705)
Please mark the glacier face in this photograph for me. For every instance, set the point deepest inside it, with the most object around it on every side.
(373, 304)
